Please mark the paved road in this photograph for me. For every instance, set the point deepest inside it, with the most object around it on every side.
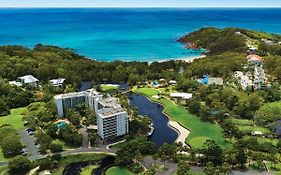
(29, 142)
(88, 150)
(85, 142)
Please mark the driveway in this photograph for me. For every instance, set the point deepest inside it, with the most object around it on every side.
(29, 142)
(85, 142)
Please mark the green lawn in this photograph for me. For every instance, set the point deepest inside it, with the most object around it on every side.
(107, 87)
(3, 169)
(88, 170)
(245, 122)
(263, 140)
(15, 118)
(200, 131)
(249, 129)
(65, 147)
(118, 170)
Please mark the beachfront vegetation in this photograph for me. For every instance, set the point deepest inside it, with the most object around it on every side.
(223, 119)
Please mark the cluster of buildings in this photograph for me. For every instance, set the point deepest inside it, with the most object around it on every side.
(206, 79)
(112, 119)
(31, 81)
(256, 80)
(26, 80)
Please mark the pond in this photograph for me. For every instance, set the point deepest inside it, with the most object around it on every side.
(162, 133)
(75, 168)
(87, 85)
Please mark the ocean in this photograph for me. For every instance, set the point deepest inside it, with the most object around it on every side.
(129, 34)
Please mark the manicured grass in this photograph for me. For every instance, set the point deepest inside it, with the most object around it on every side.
(245, 122)
(118, 170)
(263, 140)
(197, 173)
(81, 158)
(200, 131)
(65, 147)
(249, 129)
(3, 169)
(88, 170)
(107, 87)
(15, 118)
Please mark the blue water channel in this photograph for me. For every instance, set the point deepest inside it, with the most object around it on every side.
(162, 133)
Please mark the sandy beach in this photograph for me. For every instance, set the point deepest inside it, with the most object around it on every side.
(183, 132)
(189, 59)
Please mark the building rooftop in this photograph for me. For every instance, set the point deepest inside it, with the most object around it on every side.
(218, 81)
(57, 82)
(28, 79)
(19, 84)
(253, 57)
(181, 95)
(77, 94)
(110, 106)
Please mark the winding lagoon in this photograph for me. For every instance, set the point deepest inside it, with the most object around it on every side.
(162, 133)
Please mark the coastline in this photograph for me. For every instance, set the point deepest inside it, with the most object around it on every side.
(188, 60)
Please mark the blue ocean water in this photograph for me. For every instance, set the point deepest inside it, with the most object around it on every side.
(125, 34)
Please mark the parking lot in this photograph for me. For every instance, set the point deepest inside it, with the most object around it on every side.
(29, 142)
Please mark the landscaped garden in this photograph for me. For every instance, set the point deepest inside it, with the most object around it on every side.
(118, 170)
(200, 131)
(66, 160)
(109, 87)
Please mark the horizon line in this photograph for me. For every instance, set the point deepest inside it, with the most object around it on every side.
(167, 7)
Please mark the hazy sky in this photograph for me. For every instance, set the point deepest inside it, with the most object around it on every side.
(140, 3)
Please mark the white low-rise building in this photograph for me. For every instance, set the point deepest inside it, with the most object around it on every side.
(243, 80)
(15, 83)
(58, 82)
(29, 80)
(260, 79)
(183, 96)
(112, 119)
(173, 82)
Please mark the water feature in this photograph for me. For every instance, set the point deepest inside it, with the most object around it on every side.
(75, 168)
(162, 133)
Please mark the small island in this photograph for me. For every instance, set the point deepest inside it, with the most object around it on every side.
(61, 112)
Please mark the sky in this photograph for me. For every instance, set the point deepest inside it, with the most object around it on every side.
(140, 3)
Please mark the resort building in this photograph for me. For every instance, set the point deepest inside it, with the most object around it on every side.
(65, 101)
(210, 80)
(15, 83)
(58, 82)
(243, 79)
(183, 96)
(254, 59)
(112, 119)
(29, 80)
(260, 80)
(217, 81)
(173, 82)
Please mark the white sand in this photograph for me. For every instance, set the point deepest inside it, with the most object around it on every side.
(183, 132)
